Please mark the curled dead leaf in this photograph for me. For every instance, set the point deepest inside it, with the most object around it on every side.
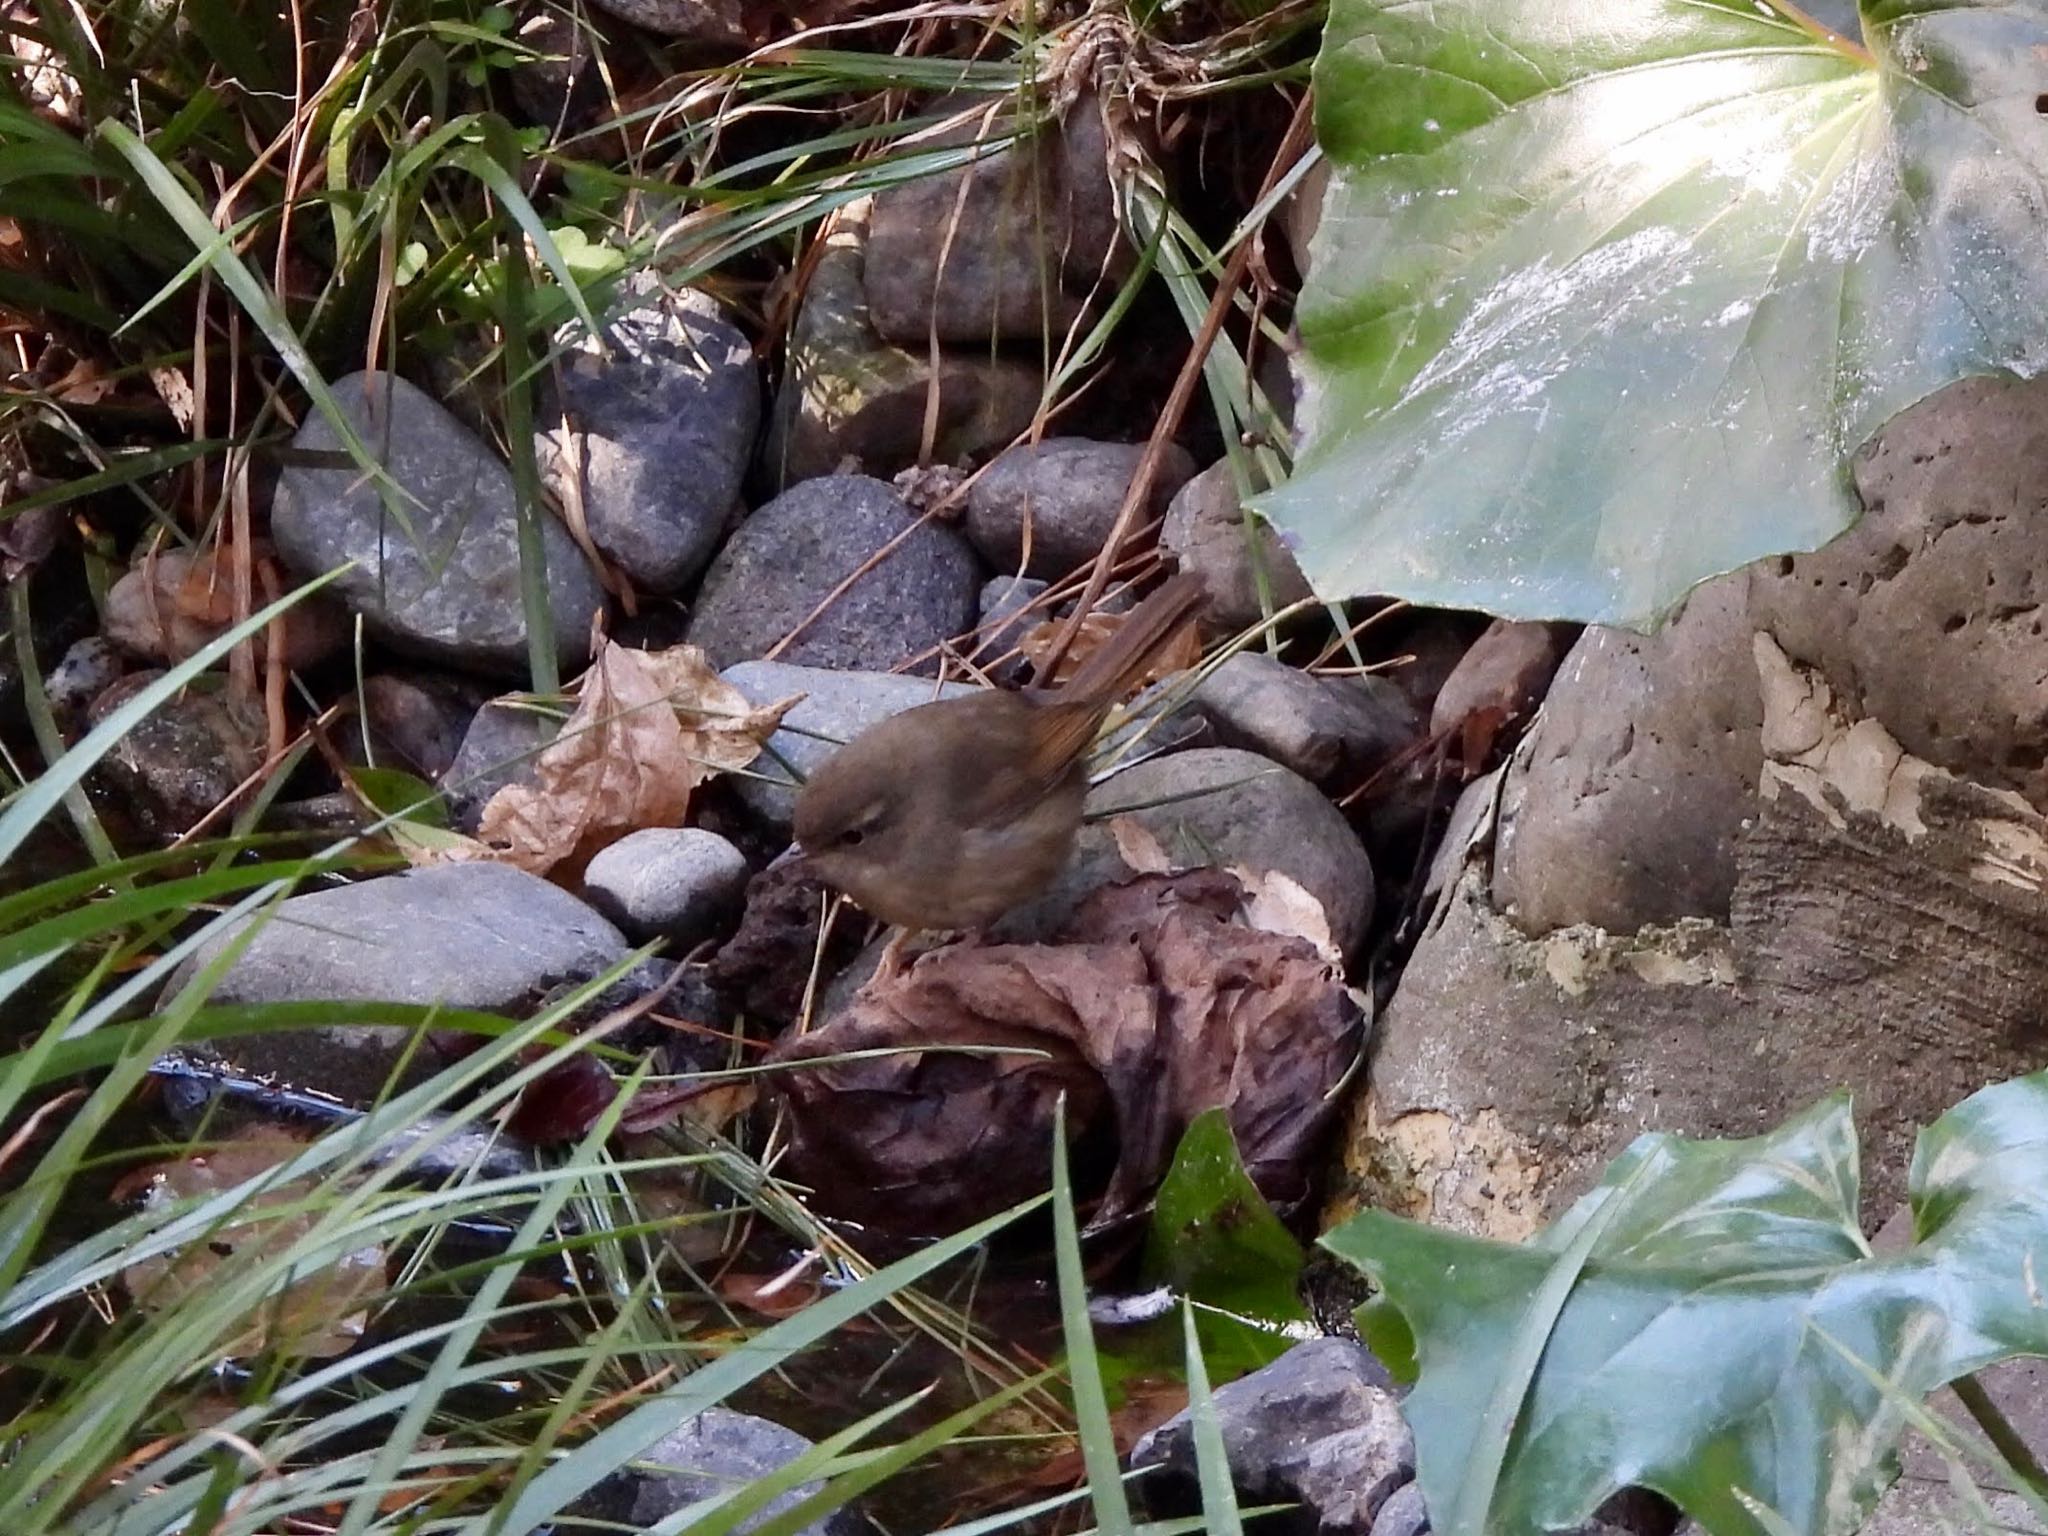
(1161, 1001)
(649, 727)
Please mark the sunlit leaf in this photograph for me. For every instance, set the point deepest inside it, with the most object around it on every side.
(1606, 293)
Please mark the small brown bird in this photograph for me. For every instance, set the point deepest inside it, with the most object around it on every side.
(948, 815)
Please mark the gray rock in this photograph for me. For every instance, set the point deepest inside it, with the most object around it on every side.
(1222, 806)
(499, 748)
(718, 25)
(660, 421)
(179, 763)
(1316, 726)
(1208, 531)
(420, 718)
(561, 86)
(1502, 678)
(1301, 215)
(1404, 1513)
(449, 588)
(479, 935)
(1319, 1427)
(717, 1452)
(1005, 248)
(1933, 609)
(151, 613)
(1624, 805)
(337, 813)
(1058, 500)
(1928, 616)
(678, 883)
(847, 395)
(89, 668)
(1005, 616)
(790, 556)
(837, 707)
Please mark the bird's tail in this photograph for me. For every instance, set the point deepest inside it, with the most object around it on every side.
(1121, 662)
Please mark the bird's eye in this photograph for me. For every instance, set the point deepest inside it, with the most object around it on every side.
(852, 837)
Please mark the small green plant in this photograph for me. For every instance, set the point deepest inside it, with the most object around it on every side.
(1710, 1322)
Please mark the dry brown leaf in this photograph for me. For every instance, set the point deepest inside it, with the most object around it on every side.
(1161, 1001)
(772, 1296)
(421, 845)
(1279, 903)
(175, 390)
(1138, 847)
(649, 727)
(83, 383)
(1094, 632)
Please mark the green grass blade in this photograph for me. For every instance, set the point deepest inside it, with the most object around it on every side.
(47, 792)
(1091, 1404)
(1212, 1461)
(887, 1463)
(256, 301)
(616, 1444)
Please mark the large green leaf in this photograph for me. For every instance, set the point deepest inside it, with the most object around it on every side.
(1607, 291)
(1730, 1340)
(1217, 1243)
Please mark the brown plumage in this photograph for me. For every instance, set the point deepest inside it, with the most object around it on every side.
(948, 815)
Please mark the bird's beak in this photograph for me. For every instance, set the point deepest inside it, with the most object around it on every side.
(793, 854)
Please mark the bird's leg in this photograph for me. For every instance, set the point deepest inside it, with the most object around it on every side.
(892, 963)
(895, 956)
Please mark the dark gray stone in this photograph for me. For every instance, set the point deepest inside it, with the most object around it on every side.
(478, 935)
(837, 706)
(661, 421)
(1218, 805)
(88, 669)
(1210, 534)
(449, 588)
(677, 883)
(560, 86)
(717, 1452)
(847, 395)
(420, 718)
(1058, 499)
(179, 763)
(789, 557)
(1319, 1428)
(499, 748)
(1005, 617)
(1317, 726)
(1007, 247)
(718, 25)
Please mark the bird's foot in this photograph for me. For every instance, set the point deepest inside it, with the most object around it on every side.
(893, 962)
(897, 957)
